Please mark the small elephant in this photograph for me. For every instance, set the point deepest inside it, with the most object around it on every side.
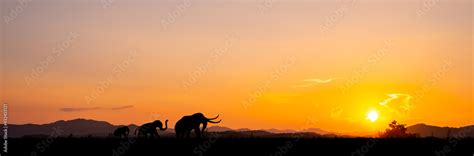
(121, 132)
(186, 124)
(150, 128)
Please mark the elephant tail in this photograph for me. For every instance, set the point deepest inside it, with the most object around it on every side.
(166, 126)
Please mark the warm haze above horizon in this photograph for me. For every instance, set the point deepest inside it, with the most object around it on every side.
(347, 66)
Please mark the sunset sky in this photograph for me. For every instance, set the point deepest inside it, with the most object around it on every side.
(260, 64)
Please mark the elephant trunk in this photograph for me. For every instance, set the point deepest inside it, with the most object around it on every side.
(166, 126)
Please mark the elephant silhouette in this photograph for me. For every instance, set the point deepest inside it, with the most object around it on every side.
(121, 132)
(150, 129)
(186, 124)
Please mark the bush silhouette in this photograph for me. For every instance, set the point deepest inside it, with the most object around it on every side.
(396, 130)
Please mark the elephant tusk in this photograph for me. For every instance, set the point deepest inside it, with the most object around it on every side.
(215, 121)
(213, 118)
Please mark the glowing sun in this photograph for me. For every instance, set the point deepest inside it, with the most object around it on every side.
(372, 116)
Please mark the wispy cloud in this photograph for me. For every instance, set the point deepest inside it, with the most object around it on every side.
(121, 107)
(313, 82)
(81, 109)
(397, 102)
(319, 80)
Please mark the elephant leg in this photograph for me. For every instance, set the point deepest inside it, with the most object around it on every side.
(198, 132)
(204, 126)
(149, 134)
(139, 134)
(188, 134)
(153, 134)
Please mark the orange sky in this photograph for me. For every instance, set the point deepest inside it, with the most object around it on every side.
(276, 64)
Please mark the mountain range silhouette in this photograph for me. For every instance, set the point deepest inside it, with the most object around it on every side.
(87, 127)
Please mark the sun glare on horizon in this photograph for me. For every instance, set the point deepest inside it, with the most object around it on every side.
(372, 116)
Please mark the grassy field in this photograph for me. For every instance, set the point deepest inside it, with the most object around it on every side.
(241, 147)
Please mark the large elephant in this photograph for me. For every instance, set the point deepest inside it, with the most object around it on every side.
(150, 128)
(186, 124)
(121, 132)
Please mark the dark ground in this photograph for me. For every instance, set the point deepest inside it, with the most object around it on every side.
(241, 147)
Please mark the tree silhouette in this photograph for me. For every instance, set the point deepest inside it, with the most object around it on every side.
(396, 130)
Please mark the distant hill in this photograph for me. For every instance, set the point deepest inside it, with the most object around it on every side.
(86, 127)
(76, 127)
(441, 132)
(316, 130)
(218, 129)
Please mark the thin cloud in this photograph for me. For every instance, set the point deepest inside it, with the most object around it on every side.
(397, 102)
(81, 109)
(313, 82)
(122, 107)
(319, 80)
